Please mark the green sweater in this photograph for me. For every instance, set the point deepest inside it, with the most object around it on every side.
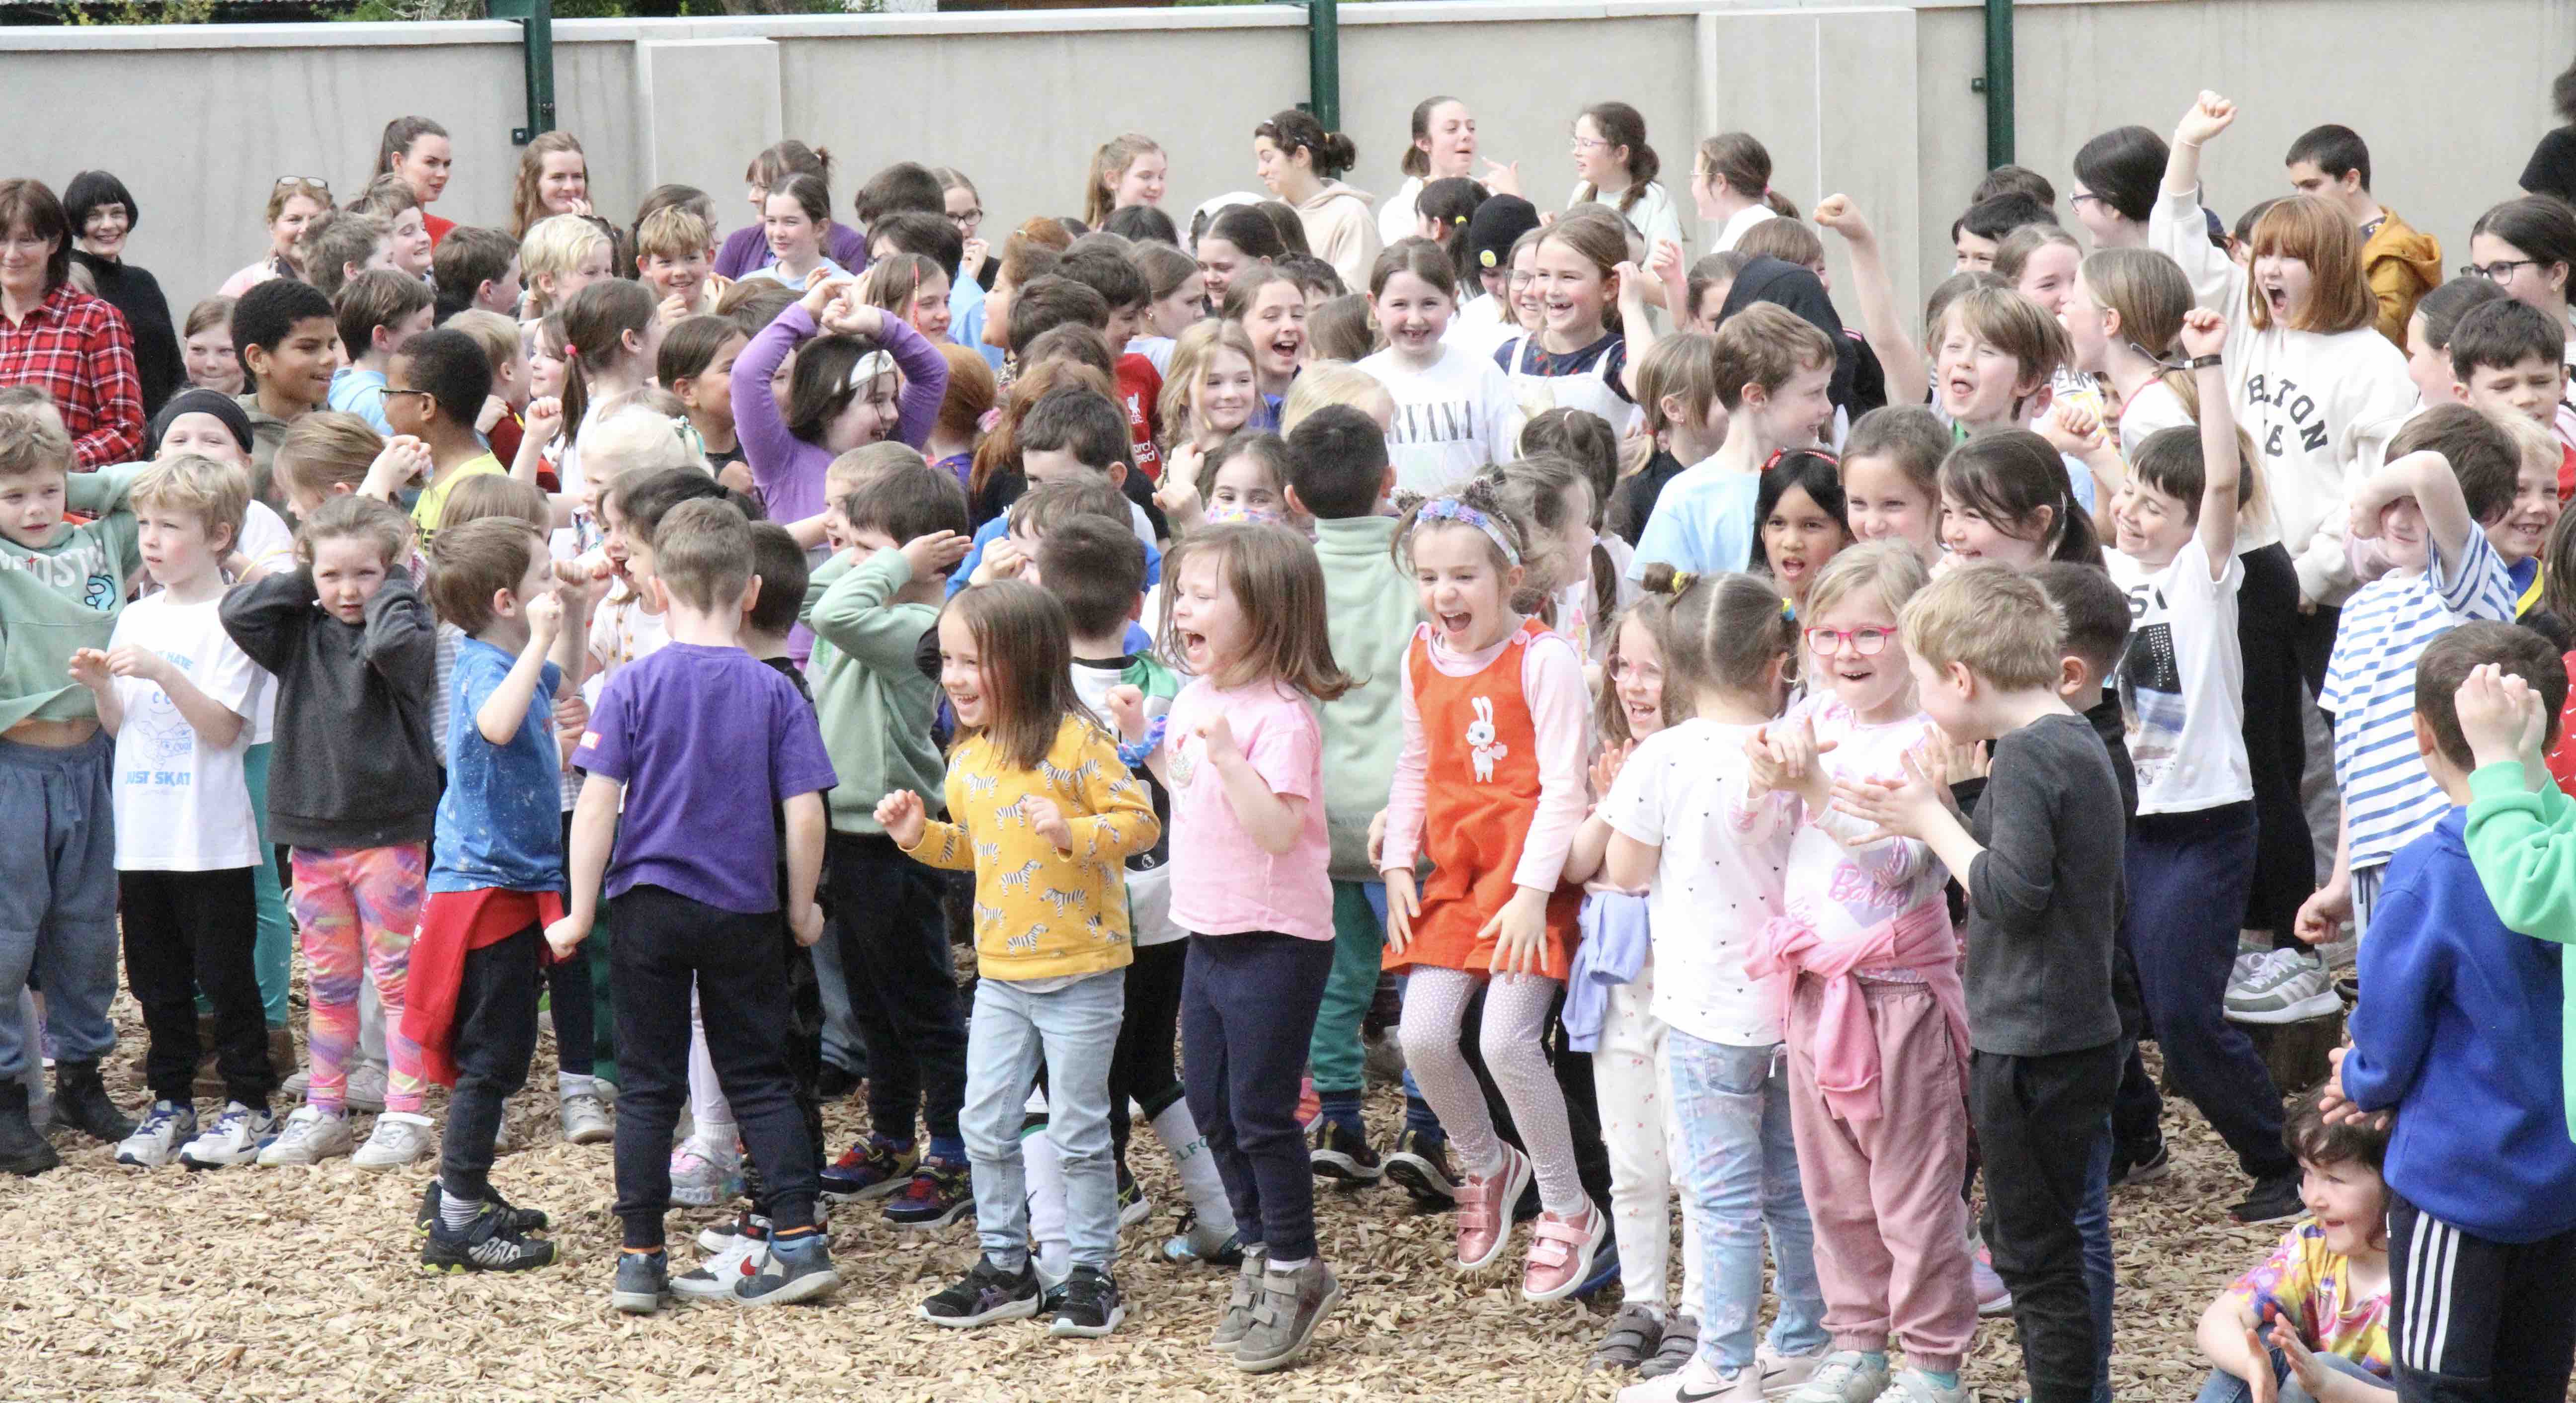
(2523, 843)
(64, 596)
(1370, 611)
(875, 705)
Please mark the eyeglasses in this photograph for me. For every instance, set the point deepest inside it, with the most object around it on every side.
(1519, 279)
(1590, 143)
(2081, 196)
(2499, 271)
(967, 220)
(430, 395)
(1865, 642)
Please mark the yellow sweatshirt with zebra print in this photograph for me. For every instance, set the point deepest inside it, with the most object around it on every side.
(1042, 912)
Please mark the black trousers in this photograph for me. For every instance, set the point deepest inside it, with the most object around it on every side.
(186, 931)
(804, 1060)
(665, 944)
(571, 999)
(1142, 1067)
(2267, 627)
(1247, 1014)
(2472, 1318)
(2037, 1119)
(494, 1034)
(903, 989)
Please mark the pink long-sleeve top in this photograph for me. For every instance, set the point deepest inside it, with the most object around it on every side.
(1552, 681)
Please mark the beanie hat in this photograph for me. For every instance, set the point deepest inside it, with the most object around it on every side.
(1498, 224)
(197, 400)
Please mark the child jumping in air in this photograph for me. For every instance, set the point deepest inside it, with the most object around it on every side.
(1491, 785)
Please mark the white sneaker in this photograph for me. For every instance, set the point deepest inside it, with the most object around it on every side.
(239, 1134)
(586, 1122)
(739, 1256)
(366, 1090)
(399, 1138)
(294, 1086)
(165, 1127)
(1915, 1386)
(703, 1176)
(1784, 1374)
(310, 1137)
(1690, 1384)
(1843, 1377)
(2287, 987)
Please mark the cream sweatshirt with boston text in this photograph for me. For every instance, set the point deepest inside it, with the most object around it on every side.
(2320, 406)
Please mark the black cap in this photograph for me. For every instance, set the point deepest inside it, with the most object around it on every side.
(1498, 224)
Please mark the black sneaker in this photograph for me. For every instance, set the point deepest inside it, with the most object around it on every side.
(1088, 1306)
(521, 1220)
(983, 1296)
(788, 1274)
(2129, 1167)
(2274, 1200)
(941, 1192)
(1420, 1164)
(1342, 1154)
(491, 1242)
(1133, 1206)
(643, 1282)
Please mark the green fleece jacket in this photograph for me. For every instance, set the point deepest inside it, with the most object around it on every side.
(875, 705)
(63, 596)
(2523, 843)
(1370, 611)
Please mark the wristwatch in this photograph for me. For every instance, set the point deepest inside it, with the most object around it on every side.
(2205, 362)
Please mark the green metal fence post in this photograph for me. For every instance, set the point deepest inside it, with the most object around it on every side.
(536, 21)
(1998, 82)
(1324, 61)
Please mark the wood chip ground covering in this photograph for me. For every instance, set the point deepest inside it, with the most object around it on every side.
(302, 1284)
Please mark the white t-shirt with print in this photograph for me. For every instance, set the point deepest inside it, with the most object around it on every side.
(1449, 420)
(2182, 683)
(1717, 880)
(182, 805)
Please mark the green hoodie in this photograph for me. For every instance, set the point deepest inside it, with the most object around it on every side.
(266, 432)
(2523, 843)
(1370, 611)
(875, 705)
(64, 596)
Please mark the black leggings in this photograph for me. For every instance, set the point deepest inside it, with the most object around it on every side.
(1143, 1067)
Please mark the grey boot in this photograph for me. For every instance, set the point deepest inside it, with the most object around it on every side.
(82, 1103)
(22, 1150)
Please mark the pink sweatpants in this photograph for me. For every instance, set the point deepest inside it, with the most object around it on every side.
(1884, 1194)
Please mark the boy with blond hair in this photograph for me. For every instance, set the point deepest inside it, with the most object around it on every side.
(61, 590)
(2041, 864)
(178, 694)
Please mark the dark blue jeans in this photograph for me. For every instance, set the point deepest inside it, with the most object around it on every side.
(1248, 1007)
(2188, 875)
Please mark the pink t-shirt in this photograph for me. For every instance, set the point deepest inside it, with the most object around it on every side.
(1222, 882)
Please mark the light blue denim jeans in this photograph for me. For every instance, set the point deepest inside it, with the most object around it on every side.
(1074, 1029)
(2224, 1387)
(1737, 1175)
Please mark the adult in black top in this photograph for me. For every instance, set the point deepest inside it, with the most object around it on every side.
(102, 210)
(2552, 167)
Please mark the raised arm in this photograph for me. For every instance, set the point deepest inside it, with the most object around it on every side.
(1881, 325)
(2425, 476)
(2176, 226)
(757, 420)
(267, 617)
(2204, 336)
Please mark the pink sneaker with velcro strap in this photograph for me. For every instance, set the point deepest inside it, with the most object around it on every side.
(1561, 1251)
(1485, 1211)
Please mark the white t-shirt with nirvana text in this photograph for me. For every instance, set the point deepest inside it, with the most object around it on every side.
(1449, 420)
(181, 804)
(2182, 683)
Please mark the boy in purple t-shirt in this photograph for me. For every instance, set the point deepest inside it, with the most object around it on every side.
(699, 741)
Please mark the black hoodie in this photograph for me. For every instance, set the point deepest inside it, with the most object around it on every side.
(1769, 279)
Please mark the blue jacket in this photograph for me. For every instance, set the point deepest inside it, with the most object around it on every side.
(2459, 1032)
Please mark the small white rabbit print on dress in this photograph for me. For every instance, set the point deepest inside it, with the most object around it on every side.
(1483, 746)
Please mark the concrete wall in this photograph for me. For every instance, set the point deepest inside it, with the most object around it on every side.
(1869, 99)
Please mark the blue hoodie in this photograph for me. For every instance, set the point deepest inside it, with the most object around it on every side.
(2459, 1031)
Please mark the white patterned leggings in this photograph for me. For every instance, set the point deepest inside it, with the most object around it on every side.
(1515, 1021)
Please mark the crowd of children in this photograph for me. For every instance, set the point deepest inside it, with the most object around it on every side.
(1722, 755)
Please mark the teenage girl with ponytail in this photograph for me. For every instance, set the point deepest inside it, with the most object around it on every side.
(1614, 166)
(1301, 163)
(747, 248)
(1443, 148)
(1731, 184)
(1126, 170)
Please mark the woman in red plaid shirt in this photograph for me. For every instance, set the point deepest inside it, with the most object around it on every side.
(52, 335)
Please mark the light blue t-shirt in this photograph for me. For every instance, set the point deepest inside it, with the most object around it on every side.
(966, 299)
(1702, 522)
(360, 391)
(500, 826)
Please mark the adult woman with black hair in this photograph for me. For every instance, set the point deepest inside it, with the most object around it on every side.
(102, 214)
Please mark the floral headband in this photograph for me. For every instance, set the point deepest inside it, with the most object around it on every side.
(1451, 509)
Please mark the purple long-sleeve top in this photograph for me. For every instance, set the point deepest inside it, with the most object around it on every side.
(786, 470)
(747, 248)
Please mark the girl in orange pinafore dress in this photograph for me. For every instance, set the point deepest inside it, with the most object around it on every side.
(1495, 718)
